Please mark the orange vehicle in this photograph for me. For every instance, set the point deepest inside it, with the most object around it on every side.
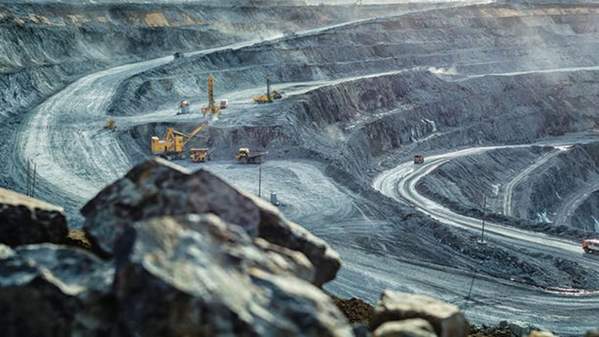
(590, 246)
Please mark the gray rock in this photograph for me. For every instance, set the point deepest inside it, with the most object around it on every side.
(592, 333)
(415, 327)
(361, 330)
(158, 188)
(446, 319)
(47, 290)
(25, 220)
(538, 333)
(196, 275)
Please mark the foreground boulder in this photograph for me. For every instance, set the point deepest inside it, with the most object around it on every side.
(592, 333)
(158, 188)
(415, 327)
(47, 290)
(24, 220)
(195, 275)
(446, 319)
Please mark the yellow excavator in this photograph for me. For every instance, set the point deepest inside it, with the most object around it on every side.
(173, 144)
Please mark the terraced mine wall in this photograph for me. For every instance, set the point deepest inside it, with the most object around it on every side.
(445, 88)
(584, 215)
(564, 183)
(550, 192)
(465, 41)
(465, 182)
(45, 46)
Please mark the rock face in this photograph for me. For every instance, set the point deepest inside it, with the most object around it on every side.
(159, 188)
(416, 327)
(446, 319)
(47, 290)
(196, 275)
(25, 220)
(355, 309)
(593, 333)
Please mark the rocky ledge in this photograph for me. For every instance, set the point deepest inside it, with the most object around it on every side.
(167, 252)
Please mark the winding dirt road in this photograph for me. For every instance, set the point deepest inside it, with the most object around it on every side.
(400, 184)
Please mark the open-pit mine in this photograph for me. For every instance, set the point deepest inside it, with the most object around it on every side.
(443, 148)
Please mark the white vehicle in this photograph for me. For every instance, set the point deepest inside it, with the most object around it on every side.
(224, 104)
(183, 107)
(590, 246)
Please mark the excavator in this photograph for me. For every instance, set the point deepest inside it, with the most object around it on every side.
(173, 144)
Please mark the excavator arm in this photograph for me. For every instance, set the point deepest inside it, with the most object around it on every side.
(194, 133)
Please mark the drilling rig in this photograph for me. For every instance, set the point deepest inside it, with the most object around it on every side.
(270, 95)
(212, 109)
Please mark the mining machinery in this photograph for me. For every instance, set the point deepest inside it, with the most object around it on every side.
(172, 145)
(212, 109)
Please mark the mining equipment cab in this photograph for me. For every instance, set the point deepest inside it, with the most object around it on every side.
(245, 156)
(173, 144)
(418, 159)
(590, 246)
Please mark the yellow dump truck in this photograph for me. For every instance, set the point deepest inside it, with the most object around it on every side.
(245, 156)
(199, 155)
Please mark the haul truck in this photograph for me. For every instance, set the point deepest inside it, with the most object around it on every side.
(590, 246)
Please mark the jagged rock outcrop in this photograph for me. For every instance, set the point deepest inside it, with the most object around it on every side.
(178, 269)
(158, 188)
(24, 220)
(47, 290)
(196, 275)
(446, 319)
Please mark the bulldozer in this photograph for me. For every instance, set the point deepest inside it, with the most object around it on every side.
(245, 156)
(172, 146)
(270, 95)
